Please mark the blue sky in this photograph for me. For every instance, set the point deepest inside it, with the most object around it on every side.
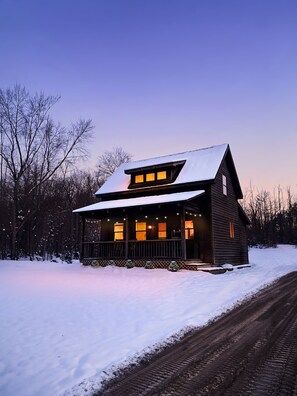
(159, 77)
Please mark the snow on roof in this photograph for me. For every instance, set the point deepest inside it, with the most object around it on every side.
(200, 165)
(140, 201)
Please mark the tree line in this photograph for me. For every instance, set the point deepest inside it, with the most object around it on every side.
(273, 217)
(41, 183)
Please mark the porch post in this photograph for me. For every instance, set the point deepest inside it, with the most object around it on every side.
(183, 234)
(82, 238)
(126, 236)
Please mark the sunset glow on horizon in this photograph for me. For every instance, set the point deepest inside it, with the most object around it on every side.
(162, 77)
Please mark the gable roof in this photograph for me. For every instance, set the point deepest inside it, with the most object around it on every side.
(199, 165)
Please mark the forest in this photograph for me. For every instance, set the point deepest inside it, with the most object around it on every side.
(43, 178)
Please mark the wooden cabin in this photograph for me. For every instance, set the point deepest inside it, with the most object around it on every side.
(181, 207)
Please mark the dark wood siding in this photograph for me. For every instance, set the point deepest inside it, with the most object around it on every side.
(224, 209)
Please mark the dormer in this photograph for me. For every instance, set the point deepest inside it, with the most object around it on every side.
(154, 175)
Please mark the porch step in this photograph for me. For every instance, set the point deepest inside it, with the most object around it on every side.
(214, 269)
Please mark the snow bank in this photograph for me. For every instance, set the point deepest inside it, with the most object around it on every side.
(64, 326)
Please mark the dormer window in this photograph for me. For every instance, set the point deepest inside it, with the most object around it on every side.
(162, 175)
(150, 177)
(154, 175)
(139, 178)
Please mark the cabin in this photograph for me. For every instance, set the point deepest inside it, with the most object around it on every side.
(182, 207)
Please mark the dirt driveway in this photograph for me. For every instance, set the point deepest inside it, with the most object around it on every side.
(252, 350)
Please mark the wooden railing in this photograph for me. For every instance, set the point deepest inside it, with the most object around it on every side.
(104, 250)
(169, 248)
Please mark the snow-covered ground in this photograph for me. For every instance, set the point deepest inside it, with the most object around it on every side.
(62, 327)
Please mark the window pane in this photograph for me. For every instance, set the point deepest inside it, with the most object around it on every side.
(162, 230)
(150, 177)
(139, 179)
(140, 226)
(140, 235)
(189, 229)
(118, 231)
(232, 233)
(161, 175)
(224, 180)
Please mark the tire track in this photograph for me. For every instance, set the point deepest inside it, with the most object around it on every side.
(252, 350)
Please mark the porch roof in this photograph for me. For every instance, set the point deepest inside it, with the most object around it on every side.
(141, 201)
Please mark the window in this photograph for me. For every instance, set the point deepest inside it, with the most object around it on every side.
(232, 234)
(162, 175)
(140, 228)
(224, 179)
(162, 230)
(189, 229)
(118, 230)
(139, 179)
(150, 177)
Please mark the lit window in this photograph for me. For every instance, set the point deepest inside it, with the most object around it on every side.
(162, 175)
(140, 231)
(139, 179)
(232, 230)
(118, 229)
(162, 230)
(189, 229)
(150, 177)
(224, 179)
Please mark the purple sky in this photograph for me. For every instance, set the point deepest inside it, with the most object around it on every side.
(159, 77)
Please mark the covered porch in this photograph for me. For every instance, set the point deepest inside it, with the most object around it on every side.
(155, 228)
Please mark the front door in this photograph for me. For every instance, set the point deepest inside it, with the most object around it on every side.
(191, 236)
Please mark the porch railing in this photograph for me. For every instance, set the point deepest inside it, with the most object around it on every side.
(169, 248)
(104, 250)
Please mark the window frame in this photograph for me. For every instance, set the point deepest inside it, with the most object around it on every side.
(224, 182)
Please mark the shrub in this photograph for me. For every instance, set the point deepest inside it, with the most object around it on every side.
(173, 266)
(129, 264)
(149, 265)
(94, 263)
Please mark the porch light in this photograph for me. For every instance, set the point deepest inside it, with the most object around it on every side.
(136, 221)
(177, 214)
(149, 227)
(108, 219)
(165, 217)
(195, 215)
(124, 218)
(145, 217)
(157, 218)
(200, 215)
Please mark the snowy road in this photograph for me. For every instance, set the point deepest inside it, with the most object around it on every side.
(252, 350)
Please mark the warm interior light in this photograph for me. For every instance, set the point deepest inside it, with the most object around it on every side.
(161, 175)
(139, 178)
(150, 177)
(141, 231)
(162, 230)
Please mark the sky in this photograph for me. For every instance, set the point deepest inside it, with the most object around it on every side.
(165, 76)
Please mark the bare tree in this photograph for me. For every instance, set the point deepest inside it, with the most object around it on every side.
(109, 161)
(34, 148)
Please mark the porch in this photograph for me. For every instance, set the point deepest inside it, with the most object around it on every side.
(151, 249)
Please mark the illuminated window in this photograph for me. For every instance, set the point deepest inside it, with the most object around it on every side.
(162, 175)
(224, 179)
(149, 177)
(189, 229)
(139, 178)
(162, 230)
(232, 230)
(118, 230)
(140, 231)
